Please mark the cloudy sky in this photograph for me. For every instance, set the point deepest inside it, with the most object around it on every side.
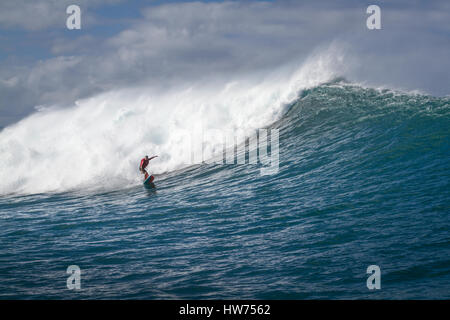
(160, 44)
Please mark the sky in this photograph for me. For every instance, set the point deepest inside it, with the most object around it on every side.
(161, 44)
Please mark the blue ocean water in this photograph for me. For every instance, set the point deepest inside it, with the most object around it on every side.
(364, 179)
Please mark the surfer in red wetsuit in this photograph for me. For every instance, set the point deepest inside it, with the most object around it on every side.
(144, 164)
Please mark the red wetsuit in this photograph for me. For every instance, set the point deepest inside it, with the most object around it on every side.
(144, 163)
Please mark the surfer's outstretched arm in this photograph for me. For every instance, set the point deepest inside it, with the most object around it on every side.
(152, 158)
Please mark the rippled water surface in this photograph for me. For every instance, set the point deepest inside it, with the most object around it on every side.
(363, 180)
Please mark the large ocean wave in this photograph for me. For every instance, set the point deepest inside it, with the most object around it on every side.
(98, 142)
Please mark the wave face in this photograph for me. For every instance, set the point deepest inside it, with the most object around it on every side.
(363, 179)
(366, 139)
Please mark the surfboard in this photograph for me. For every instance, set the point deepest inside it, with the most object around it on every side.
(149, 180)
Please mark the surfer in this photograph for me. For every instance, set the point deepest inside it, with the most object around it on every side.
(144, 164)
